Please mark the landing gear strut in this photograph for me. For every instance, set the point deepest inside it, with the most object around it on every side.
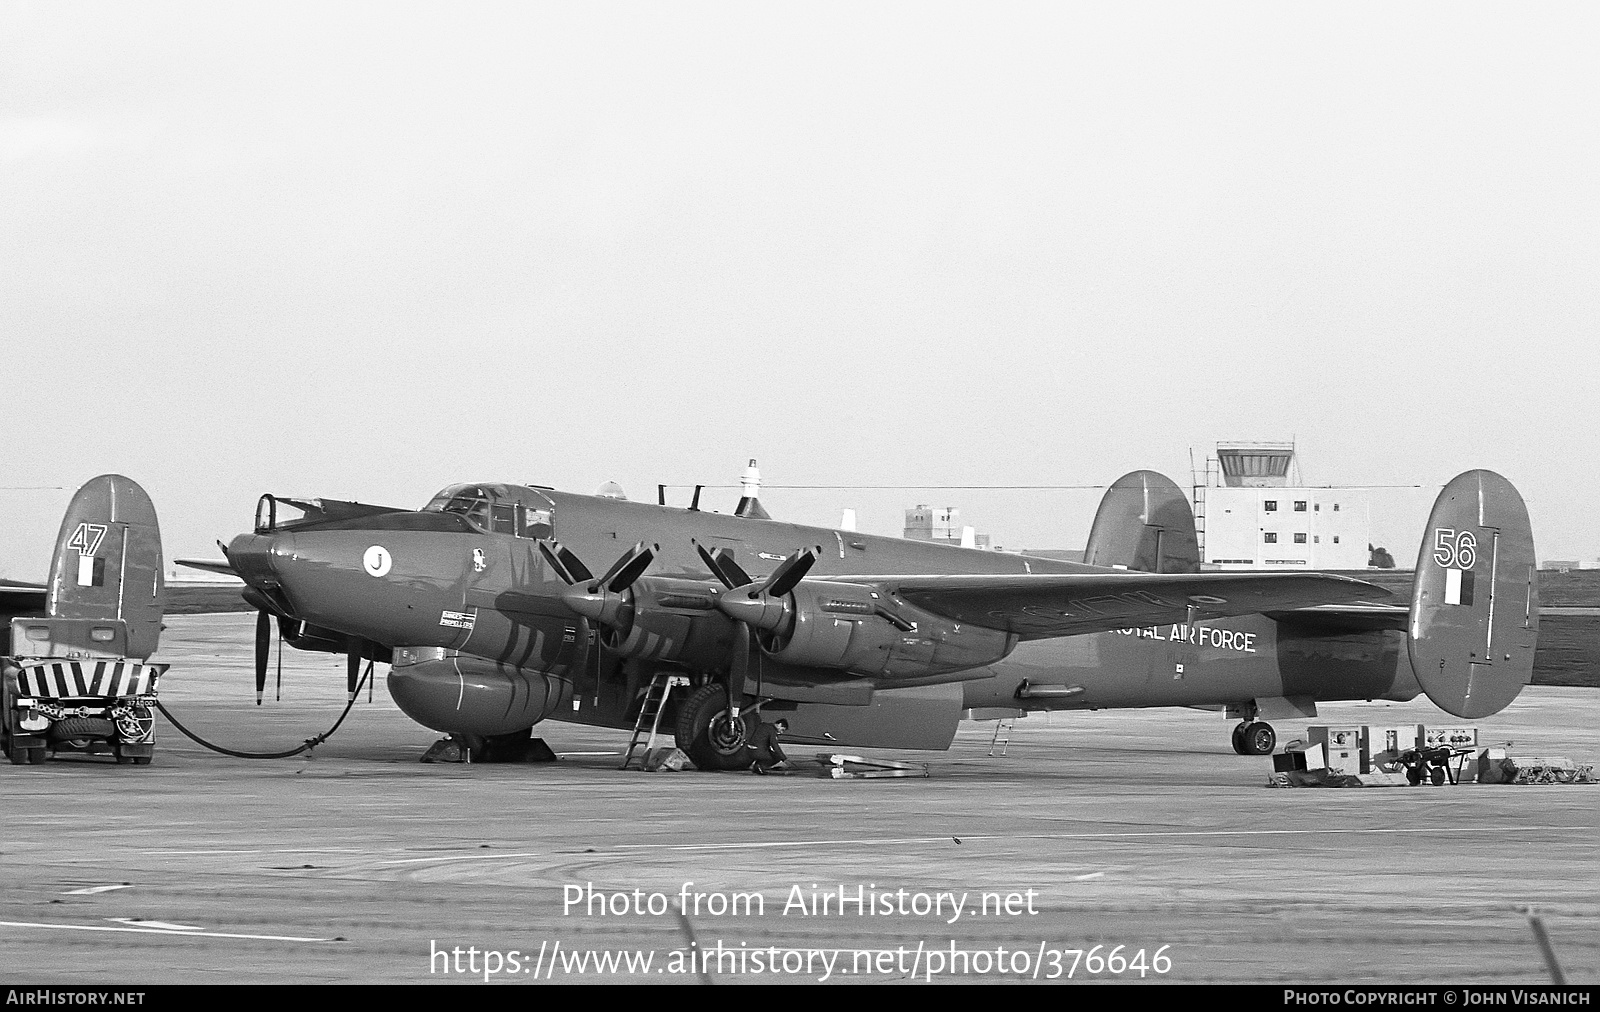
(1254, 737)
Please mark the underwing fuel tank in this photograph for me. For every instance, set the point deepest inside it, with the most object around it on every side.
(1475, 602)
(461, 694)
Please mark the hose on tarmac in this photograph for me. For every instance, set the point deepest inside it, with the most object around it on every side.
(305, 746)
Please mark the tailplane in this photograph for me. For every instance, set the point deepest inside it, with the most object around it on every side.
(1145, 524)
(1474, 620)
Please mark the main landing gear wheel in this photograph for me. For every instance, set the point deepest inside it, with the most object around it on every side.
(1254, 738)
(707, 735)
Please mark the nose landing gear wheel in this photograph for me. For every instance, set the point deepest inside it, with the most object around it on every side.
(709, 737)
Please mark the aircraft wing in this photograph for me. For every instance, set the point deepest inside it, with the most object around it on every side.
(1044, 605)
(224, 568)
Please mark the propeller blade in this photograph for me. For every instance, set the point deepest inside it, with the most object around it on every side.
(603, 600)
(723, 567)
(553, 559)
(628, 568)
(789, 572)
(714, 564)
(263, 649)
(568, 566)
(739, 670)
(732, 568)
(352, 669)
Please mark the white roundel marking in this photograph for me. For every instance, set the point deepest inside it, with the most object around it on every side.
(377, 560)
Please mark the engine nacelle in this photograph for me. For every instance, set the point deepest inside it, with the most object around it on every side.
(667, 619)
(853, 628)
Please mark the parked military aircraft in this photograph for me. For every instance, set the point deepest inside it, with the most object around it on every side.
(486, 604)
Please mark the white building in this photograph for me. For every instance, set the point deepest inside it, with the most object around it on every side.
(941, 525)
(1254, 518)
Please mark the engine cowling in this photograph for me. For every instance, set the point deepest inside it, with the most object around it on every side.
(853, 628)
(666, 619)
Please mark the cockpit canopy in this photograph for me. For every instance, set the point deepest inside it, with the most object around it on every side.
(497, 509)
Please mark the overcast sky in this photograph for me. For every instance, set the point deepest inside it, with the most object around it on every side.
(367, 250)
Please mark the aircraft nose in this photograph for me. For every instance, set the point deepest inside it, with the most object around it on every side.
(253, 558)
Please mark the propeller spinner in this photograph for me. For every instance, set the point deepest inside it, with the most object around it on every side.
(767, 606)
(601, 600)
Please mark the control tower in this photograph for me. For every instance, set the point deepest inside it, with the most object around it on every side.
(1254, 511)
(1256, 465)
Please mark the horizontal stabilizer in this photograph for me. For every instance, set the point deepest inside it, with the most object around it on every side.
(1343, 618)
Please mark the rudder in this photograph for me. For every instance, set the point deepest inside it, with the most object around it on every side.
(1475, 603)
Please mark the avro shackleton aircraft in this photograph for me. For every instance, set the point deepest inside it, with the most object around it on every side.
(486, 604)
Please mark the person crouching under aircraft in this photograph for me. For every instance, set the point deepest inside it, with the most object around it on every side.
(769, 755)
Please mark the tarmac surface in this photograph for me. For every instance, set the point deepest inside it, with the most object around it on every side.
(1133, 829)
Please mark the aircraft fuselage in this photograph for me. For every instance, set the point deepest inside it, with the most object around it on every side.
(431, 585)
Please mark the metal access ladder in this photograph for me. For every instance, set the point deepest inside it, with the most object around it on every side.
(655, 703)
(1002, 735)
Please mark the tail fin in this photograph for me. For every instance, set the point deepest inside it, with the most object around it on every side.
(106, 586)
(1475, 603)
(1145, 524)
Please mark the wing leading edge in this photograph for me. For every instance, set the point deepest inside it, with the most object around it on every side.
(1045, 605)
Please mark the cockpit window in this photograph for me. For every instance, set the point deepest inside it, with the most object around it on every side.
(474, 508)
(535, 523)
(492, 510)
(503, 518)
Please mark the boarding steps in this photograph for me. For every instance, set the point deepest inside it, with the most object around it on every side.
(1002, 735)
(650, 711)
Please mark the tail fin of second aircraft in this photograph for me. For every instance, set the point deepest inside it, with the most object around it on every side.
(1145, 524)
(1474, 620)
(106, 593)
